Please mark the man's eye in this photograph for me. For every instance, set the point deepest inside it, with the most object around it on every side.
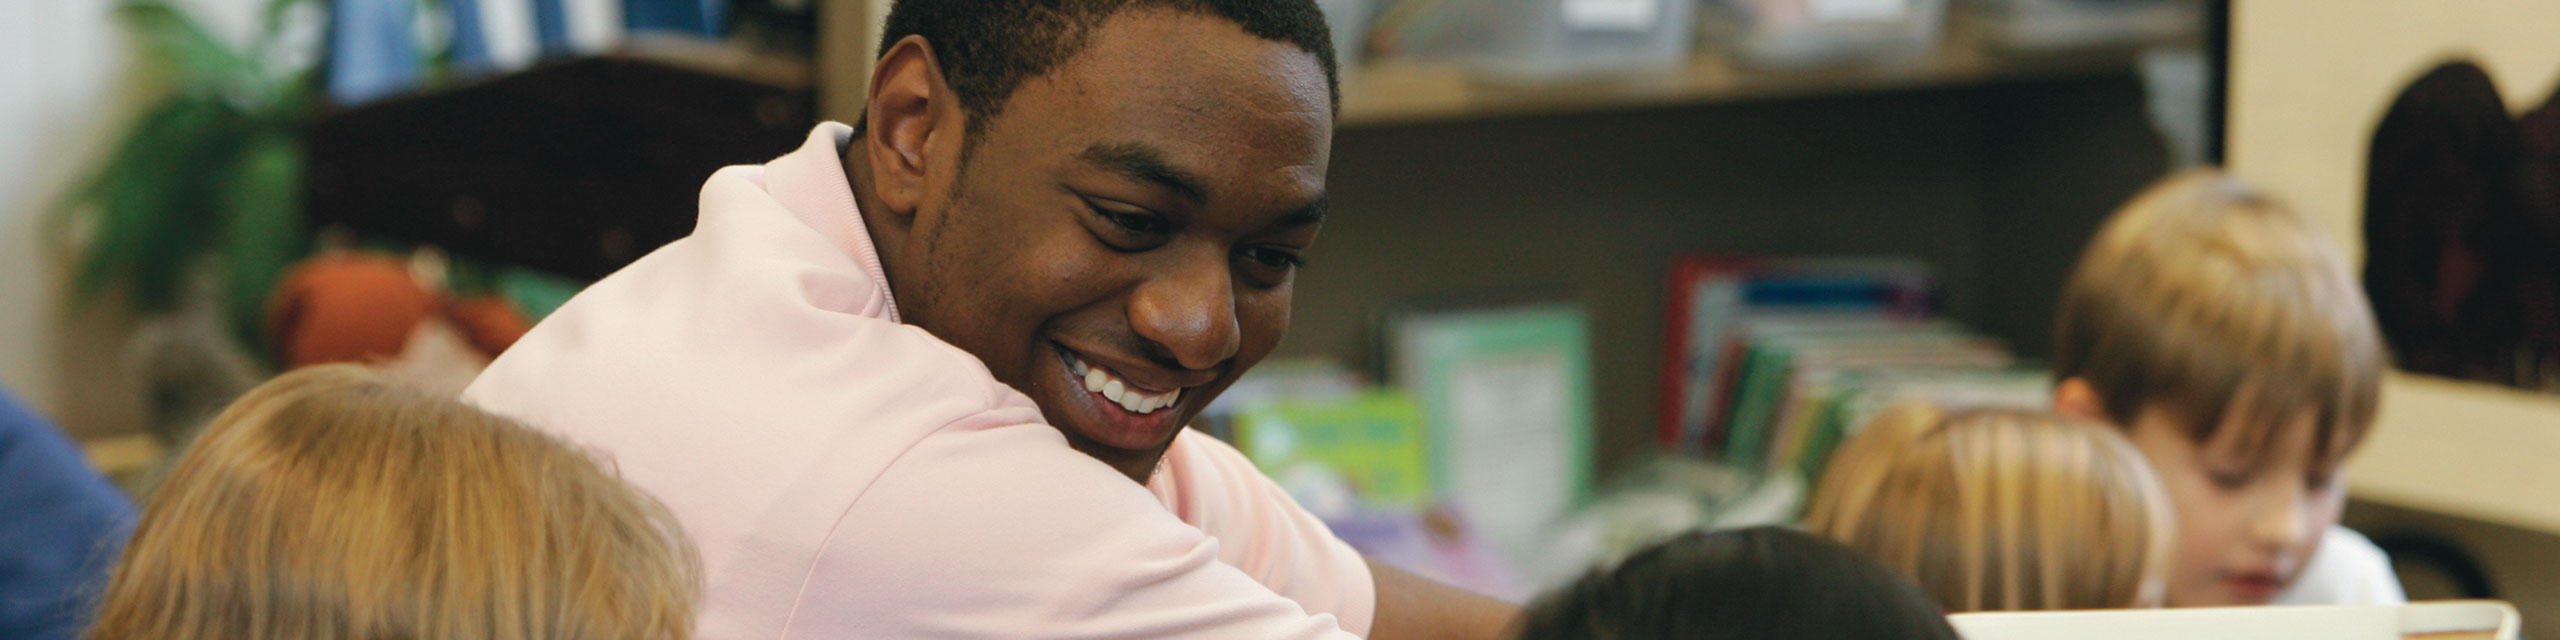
(1274, 258)
(1133, 222)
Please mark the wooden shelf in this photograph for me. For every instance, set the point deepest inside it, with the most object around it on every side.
(1394, 91)
(2463, 449)
(1401, 92)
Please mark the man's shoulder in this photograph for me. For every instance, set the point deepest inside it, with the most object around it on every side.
(1197, 469)
(750, 392)
(1261, 529)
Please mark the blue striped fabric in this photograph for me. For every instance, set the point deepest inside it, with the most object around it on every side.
(551, 26)
(374, 49)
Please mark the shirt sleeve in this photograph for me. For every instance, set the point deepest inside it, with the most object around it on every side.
(2347, 569)
(997, 533)
(1264, 532)
(64, 526)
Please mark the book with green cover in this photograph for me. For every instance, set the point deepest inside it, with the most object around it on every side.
(1506, 394)
(1375, 440)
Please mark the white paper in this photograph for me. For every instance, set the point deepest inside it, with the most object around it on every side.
(1510, 447)
(1631, 15)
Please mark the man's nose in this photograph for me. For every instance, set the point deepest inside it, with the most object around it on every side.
(1190, 311)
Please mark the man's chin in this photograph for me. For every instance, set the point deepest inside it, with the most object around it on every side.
(1131, 457)
(1128, 440)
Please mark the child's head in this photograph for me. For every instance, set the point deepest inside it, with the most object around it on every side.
(2227, 338)
(2001, 510)
(1762, 582)
(329, 503)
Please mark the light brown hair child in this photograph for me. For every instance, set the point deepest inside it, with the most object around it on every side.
(331, 503)
(1995, 510)
(2228, 340)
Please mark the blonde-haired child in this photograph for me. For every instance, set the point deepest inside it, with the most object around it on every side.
(1998, 510)
(2228, 340)
(331, 503)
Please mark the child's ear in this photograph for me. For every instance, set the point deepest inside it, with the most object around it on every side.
(2075, 398)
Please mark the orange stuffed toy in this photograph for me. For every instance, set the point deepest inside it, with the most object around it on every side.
(347, 306)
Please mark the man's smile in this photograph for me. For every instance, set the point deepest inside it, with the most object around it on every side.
(1110, 385)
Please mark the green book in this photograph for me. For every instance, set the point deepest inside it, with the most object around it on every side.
(1375, 440)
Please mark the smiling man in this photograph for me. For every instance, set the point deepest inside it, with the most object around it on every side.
(875, 382)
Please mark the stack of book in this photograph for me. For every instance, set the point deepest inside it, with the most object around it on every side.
(1772, 363)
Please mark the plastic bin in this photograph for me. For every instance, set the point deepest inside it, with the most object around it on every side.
(1809, 33)
(2048, 25)
(1549, 39)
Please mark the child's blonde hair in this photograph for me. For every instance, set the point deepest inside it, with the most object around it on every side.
(331, 503)
(2209, 301)
(2001, 510)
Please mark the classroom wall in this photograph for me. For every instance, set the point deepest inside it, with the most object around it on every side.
(56, 66)
(63, 96)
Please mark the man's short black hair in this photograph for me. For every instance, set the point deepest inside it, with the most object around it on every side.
(988, 47)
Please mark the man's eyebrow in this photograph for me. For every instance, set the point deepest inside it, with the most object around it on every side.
(1145, 164)
(1313, 213)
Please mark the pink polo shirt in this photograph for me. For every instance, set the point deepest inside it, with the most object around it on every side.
(844, 475)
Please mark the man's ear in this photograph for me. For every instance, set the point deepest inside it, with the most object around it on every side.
(909, 108)
(2074, 397)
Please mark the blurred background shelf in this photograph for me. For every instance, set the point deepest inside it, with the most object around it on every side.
(1403, 92)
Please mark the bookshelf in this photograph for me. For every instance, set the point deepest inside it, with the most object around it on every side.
(1398, 92)
(1394, 92)
(1996, 184)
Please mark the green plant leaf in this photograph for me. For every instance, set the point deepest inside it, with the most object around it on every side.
(263, 234)
(155, 202)
(121, 199)
(199, 61)
(208, 178)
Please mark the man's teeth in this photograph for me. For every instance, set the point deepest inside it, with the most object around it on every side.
(1098, 381)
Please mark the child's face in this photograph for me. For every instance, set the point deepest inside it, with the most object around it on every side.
(2244, 532)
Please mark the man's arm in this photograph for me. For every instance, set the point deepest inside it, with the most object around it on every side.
(1411, 606)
